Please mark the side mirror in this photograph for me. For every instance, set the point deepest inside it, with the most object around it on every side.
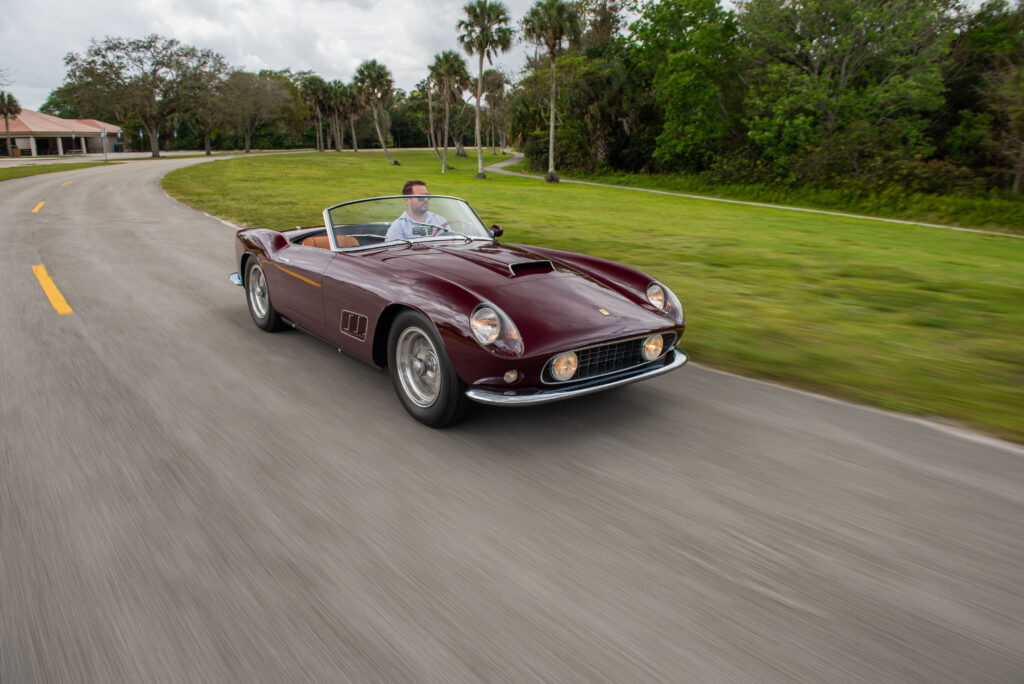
(497, 231)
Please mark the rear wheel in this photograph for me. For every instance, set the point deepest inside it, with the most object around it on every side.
(257, 296)
(424, 379)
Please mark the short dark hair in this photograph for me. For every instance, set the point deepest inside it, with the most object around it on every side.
(407, 188)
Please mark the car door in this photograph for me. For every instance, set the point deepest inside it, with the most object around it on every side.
(354, 286)
(302, 269)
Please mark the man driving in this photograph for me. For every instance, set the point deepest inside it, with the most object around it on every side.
(416, 220)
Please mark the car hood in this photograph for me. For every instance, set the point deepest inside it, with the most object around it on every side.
(550, 302)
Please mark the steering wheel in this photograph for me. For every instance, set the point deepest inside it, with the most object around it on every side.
(447, 224)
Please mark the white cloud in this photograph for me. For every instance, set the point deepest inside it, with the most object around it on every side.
(329, 37)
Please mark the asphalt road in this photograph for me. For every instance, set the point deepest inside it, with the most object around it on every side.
(184, 498)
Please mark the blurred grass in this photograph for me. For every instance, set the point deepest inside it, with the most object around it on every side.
(997, 211)
(915, 319)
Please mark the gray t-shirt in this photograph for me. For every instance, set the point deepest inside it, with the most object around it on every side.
(405, 227)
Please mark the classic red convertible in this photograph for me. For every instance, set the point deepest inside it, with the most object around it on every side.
(455, 315)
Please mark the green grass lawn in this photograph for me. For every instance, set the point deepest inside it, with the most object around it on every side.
(921, 320)
(997, 211)
(37, 169)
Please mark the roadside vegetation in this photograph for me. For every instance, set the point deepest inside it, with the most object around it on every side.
(915, 319)
(37, 169)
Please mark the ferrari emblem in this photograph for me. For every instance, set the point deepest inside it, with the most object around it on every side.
(604, 312)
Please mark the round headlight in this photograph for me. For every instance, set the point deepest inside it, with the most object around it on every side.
(653, 346)
(656, 295)
(486, 324)
(663, 298)
(564, 366)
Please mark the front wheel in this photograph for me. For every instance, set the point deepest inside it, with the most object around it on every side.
(424, 379)
(257, 296)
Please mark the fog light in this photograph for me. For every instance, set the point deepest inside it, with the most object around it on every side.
(511, 376)
(653, 346)
(564, 366)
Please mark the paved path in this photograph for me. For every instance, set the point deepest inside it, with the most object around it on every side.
(186, 499)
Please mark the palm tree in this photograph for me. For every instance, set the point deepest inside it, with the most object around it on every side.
(426, 86)
(485, 32)
(449, 70)
(375, 86)
(494, 88)
(314, 91)
(349, 108)
(549, 23)
(9, 107)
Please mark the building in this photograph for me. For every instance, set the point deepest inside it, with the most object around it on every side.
(35, 133)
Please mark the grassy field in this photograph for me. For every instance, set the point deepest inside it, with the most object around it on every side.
(922, 320)
(37, 169)
(997, 211)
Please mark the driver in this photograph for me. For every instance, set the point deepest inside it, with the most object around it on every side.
(412, 221)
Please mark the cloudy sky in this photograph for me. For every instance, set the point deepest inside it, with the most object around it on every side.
(329, 37)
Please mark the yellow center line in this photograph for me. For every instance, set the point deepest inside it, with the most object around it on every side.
(38, 207)
(54, 295)
(68, 183)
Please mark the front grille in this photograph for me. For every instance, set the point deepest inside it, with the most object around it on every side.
(606, 359)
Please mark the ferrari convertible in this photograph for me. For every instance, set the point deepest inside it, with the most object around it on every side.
(418, 285)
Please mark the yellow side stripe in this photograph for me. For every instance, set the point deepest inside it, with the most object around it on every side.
(38, 207)
(300, 277)
(54, 295)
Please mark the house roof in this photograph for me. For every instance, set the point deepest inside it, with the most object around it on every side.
(37, 123)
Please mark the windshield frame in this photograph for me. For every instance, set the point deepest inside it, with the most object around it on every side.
(332, 238)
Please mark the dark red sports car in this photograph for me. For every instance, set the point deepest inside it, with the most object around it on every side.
(427, 291)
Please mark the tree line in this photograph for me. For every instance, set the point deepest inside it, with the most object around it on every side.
(921, 94)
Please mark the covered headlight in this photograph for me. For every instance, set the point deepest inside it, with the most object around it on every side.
(653, 346)
(493, 328)
(486, 325)
(663, 298)
(564, 366)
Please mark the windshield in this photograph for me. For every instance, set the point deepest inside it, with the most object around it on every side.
(403, 218)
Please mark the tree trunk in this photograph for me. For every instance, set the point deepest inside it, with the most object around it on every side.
(7, 134)
(432, 136)
(380, 137)
(206, 143)
(551, 176)
(1019, 171)
(479, 95)
(444, 160)
(352, 127)
(154, 141)
(341, 136)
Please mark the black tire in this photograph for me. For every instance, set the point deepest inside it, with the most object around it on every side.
(257, 297)
(423, 376)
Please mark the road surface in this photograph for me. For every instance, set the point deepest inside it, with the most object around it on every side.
(186, 498)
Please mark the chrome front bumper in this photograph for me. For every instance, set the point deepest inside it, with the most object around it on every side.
(512, 397)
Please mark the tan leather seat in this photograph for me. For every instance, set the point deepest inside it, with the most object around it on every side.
(322, 242)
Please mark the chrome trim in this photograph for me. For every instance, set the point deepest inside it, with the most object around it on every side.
(502, 398)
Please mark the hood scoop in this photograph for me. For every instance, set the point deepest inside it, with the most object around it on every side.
(528, 267)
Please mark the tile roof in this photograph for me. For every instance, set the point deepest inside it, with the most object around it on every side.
(37, 123)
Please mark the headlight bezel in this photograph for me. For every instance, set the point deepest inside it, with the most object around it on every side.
(493, 329)
(668, 303)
